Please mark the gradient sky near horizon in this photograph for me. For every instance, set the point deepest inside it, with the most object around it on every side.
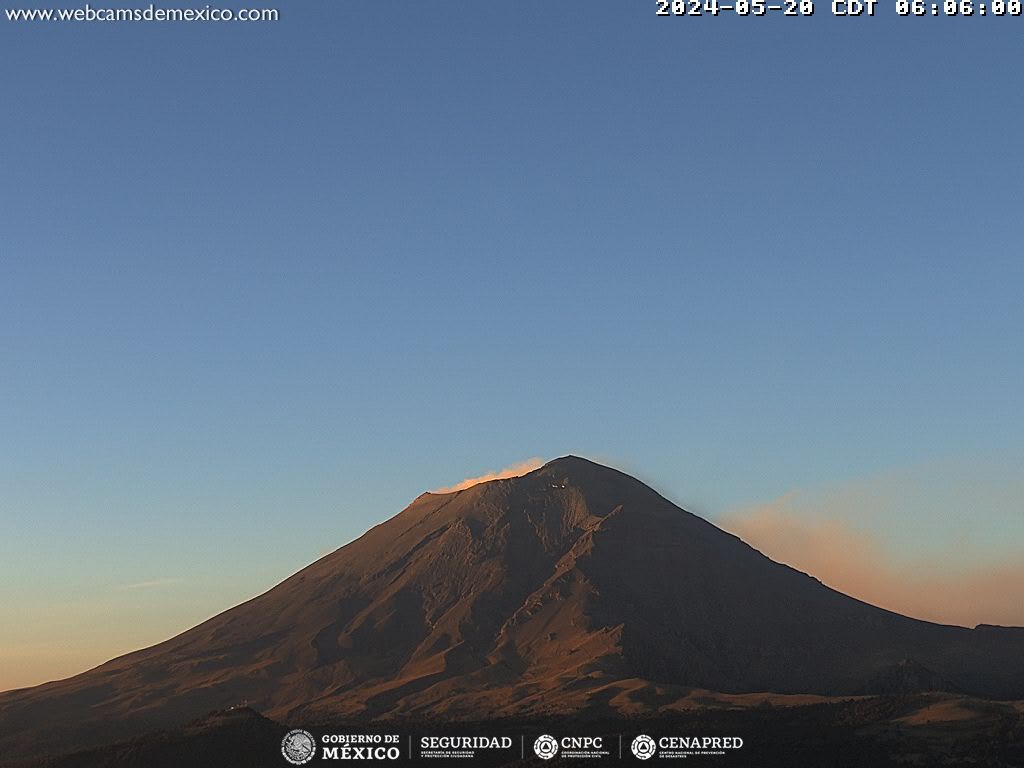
(261, 285)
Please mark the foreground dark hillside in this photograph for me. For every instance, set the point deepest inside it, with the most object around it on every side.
(877, 732)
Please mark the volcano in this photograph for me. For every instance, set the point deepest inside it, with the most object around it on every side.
(574, 588)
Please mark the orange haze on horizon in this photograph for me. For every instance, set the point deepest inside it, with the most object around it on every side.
(939, 588)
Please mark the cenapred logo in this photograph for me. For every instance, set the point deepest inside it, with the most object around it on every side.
(298, 747)
(643, 747)
(546, 747)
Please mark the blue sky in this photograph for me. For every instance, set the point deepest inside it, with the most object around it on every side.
(261, 285)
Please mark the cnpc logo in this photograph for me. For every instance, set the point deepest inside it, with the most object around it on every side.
(547, 747)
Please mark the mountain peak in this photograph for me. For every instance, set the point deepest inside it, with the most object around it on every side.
(581, 471)
(570, 460)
